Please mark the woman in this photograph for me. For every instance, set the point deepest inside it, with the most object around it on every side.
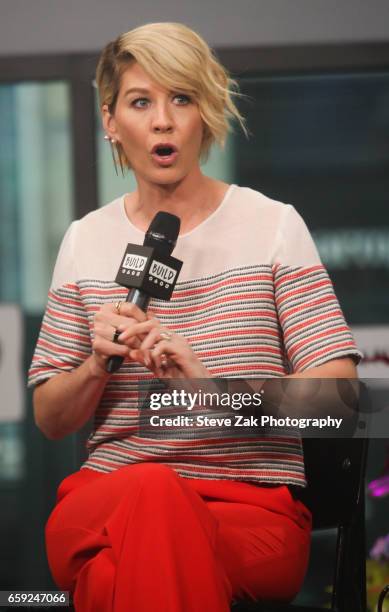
(178, 521)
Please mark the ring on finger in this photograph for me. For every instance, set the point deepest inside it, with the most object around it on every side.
(118, 306)
(163, 360)
(116, 335)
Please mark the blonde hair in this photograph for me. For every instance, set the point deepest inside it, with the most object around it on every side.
(177, 58)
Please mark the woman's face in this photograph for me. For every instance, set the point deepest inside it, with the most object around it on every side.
(148, 115)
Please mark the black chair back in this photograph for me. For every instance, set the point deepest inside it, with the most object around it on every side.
(335, 471)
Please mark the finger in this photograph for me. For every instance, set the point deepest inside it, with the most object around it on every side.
(107, 331)
(163, 366)
(152, 338)
(163, 347)
(132, 342)
(105, 319)
(142, 357)
(128, 312)
(156, 361)
(164, 355)
(159, 366)
(136, 329)
(127, 309)
(110, 333)
(106, 348)
(126, 337)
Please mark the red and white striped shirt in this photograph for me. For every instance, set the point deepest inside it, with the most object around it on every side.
(253, 299)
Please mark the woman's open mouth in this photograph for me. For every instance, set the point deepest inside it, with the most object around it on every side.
(164, 155)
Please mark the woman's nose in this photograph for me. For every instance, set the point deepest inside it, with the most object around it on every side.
(162, 120)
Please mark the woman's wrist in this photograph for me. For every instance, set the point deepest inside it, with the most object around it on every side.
(97, 367)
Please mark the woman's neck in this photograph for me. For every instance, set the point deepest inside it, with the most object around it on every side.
(193, 201)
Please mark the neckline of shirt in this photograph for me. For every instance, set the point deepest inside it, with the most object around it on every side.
(198, 227)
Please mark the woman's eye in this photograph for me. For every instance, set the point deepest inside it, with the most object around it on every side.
(139, 102)
(182, 98)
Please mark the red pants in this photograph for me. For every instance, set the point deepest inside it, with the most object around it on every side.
(142, 538)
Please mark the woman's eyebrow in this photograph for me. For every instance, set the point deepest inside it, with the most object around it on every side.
(137, 89)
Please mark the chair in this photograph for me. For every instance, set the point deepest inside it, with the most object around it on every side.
(335, 471)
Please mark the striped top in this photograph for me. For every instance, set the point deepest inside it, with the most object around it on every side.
(253, 300)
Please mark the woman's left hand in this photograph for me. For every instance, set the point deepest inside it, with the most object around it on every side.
(165, 353)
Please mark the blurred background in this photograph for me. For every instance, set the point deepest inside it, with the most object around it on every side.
(316, 73)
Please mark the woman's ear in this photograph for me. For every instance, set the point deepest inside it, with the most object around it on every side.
(109, 123)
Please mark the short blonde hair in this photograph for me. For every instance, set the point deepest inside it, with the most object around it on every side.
(177, 58)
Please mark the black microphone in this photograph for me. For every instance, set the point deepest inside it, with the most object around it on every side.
(149, 270)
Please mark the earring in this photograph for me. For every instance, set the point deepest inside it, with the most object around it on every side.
(111, 140)
(116, 157)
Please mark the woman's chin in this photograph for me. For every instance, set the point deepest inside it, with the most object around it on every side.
(167, 177)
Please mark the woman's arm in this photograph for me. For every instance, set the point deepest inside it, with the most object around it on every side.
(316, 392)
(65, 402)
(335, 368)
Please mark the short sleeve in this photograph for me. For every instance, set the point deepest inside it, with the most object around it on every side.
(64, 338)
(312, 322)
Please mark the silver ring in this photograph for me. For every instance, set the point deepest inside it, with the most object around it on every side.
(165, 335)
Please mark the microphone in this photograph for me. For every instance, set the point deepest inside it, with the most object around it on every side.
(149, 270)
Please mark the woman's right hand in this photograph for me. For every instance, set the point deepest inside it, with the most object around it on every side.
(105, 323)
